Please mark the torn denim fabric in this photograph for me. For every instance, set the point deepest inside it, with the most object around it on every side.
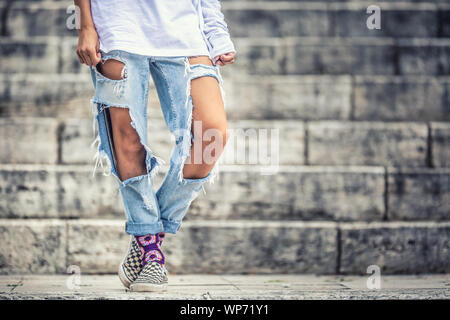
(147, 211)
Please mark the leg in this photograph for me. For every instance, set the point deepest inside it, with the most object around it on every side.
(129, 152)
(208, 116)
(120, 108)
(120, 101)
(196, 107)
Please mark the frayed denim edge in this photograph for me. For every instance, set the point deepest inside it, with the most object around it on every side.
(187, 141)
(153, 162)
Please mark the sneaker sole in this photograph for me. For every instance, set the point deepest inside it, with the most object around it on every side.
(147, 287)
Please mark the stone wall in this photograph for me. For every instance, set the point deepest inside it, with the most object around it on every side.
(364, 150)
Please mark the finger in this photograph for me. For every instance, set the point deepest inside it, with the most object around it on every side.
(229, 62)
(93, 57)
(87, 58)
(226, 58)
(217, 60)
(79, 57)
(80, 53)
(83, 56)
(99, 58)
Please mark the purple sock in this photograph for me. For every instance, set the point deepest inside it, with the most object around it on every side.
(150, 246)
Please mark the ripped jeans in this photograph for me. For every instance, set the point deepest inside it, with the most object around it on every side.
(147, 211)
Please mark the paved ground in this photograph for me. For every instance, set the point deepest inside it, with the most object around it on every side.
(229, 287)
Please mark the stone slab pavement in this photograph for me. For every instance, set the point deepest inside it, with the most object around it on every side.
(206, 287)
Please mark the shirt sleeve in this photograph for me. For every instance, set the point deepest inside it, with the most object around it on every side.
(215, 28)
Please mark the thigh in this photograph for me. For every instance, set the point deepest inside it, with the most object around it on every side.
(121, 122)
(206, 97)
(121, 91)
(119, 119)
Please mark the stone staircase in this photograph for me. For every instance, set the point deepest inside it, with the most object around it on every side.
(364, 126)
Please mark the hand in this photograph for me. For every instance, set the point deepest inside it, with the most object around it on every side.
(224, 59)
(88, 49)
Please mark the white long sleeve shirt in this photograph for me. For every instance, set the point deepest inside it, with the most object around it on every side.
(162, 27)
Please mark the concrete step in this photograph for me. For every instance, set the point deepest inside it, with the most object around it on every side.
(275, 1)
(241, 192)
(255, 19)
(262, 56)
(368, 143)
(406, 186)
(441, 142)
(281, 19)
(226, 287)
(332, 1)
(97, 246)
(369, 98)
(289, 142)
(51, 141)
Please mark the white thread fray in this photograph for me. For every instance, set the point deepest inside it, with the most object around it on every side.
(100, 155)
(99, 158)
(186, 142)
(149, 154)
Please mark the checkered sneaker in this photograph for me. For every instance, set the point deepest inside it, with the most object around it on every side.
(153, 277)
(131, 265)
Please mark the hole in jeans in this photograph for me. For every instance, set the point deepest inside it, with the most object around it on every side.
(199, 171)
(125, 133)
(112, 69)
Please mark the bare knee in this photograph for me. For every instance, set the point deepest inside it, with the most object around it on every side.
(216, 132)
(215, 136)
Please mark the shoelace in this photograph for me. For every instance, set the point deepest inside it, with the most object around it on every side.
(150, 246)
